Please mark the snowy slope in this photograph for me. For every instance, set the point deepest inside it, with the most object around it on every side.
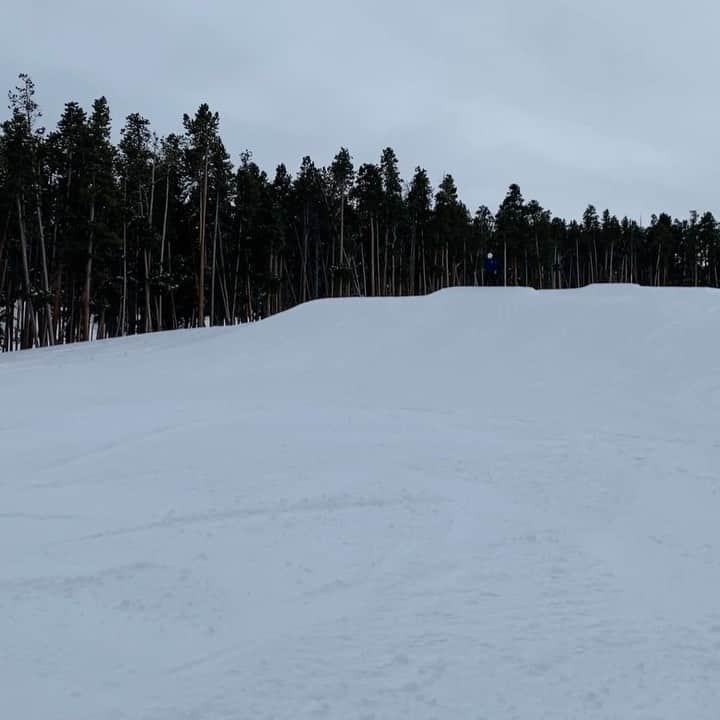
(485, 503)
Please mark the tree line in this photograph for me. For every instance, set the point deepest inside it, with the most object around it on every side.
(101, 240)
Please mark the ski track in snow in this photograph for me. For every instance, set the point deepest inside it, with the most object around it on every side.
(480, 504)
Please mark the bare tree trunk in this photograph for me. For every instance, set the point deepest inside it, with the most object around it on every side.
(378, 257)
(173, 309)
(316, 290)
(148, 255)
(559, 273)
(214, 259)
(236, 281)
(393, 289)
(596, 273)
(124, 304)
(85, 307)
(29, 336)
(385, 263)
(413, 260)
(223, 279)
(305, 252)
(249, 299)
(505, 263)
(356, 276)
(3, 282)
(57, 301)
(577, 260)
(162, 247)
(325, 272)
(49, 330)
(101, 325)
(447, 264)
(290, 286)
(372, 256)
(203, 216)
(341, 260)
(147, 262)
(364, 270)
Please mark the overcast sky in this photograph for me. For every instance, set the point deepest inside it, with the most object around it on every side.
(613, 102)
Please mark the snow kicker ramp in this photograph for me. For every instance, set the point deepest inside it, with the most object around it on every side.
(480, 504)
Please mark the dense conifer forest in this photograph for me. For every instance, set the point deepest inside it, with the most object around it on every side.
(100, 240)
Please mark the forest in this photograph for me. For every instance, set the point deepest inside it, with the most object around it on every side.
(101, 239)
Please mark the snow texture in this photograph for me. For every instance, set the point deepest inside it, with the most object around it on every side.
(485, 503)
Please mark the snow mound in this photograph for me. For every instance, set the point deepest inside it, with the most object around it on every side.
(485, 503)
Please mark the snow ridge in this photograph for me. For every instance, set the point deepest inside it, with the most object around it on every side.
(485, 503)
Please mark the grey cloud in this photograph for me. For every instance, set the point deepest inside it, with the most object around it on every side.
(607, 102)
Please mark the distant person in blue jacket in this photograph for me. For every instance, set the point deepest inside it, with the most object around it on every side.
(490, 268)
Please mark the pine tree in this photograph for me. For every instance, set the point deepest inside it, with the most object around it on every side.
(340, 180)
(538, 225)
(484, 243)
(253, 199)
(610, 233)
(418, 201)
(165, 233)
(307, 191)
(21, 149)
(707, 248)
(67, 158)
(368, 194)
(590, 232)
(101, 199)
(201, 136)
(22, 103)
(170, 275)
(451, 232)
(391, 216)
(511, 226)
(137, 165)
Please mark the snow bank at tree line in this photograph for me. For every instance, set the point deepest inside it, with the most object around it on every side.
(486, 503)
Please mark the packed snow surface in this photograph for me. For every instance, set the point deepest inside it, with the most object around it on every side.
(485, 503)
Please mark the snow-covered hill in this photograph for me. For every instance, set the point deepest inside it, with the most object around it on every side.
(485, 503)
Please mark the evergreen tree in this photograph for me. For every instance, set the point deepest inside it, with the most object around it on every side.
(308, 194)
(101, 200)
(483, 233)
(98, 240)
(707, 249)
(590, 232)
(452, 224)
(419, 209)
(511, 226)
(368, 195)
(610, 233)
(391, 212)
(342, 173)
(538, 225)
(201, 138)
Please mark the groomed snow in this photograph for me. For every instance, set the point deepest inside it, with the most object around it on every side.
(485, 503)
